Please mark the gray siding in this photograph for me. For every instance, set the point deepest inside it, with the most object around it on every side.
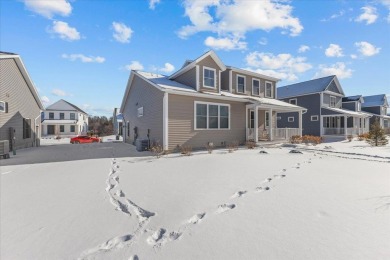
(332, 87)
(374, 110)
(326, 100)
(208, 62)
(349, 105)
(142, 94)
(188, 78)
(21, 104)
(181, 123)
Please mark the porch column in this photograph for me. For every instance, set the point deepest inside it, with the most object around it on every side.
(246, 123)
(270, 126)
(256, 126)
(300, 122)
(345, 127)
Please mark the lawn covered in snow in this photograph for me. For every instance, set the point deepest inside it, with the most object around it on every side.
(332, 201)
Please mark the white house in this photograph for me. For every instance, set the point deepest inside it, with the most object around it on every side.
(64, 119)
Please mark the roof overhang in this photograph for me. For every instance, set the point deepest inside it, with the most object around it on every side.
(347, 112)
(252, 73)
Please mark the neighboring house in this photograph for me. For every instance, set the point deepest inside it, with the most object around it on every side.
(329, 112)
(117, 122)
(64, 119)
(204, 101)
(20, 105)
(378, 105)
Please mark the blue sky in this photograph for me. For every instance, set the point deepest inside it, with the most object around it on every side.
(82, 51)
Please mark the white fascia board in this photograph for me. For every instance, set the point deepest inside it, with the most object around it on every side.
(337, 85)
(333, 93)
(297, 96)
(127, 91)
(254, 74)
(203, 95)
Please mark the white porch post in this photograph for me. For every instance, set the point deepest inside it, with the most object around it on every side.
(300, 122)
(256, 126)
(345, 127)
(165, 122)
(270, 126)
(246, 123)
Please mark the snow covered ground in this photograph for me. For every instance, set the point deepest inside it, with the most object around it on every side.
(330, 202)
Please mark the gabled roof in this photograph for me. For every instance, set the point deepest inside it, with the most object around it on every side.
(191, 64)
(25, 75)
(375, 100)
(308, 87)
(348, 112)
(252, 73)
(63, 105)
(351, 98)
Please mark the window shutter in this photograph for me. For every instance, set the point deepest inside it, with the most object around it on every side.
(6, 107)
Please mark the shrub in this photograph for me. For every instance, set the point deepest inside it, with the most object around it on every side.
(311, 139)
(362, 137)
(376, 136)
(250, 144)
(296, 139)
(186, 150)
(209, 147)
(230, 148)
(235, 145)
(350, 138)
(157, 150)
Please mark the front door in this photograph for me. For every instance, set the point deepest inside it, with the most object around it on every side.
(50, 129)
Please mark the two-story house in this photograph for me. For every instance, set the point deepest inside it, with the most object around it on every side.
(377, 106)
(329, 112)
(20, 105)
(204, 101)
(64, 119)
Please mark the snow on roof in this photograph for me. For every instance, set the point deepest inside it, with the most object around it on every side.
(164, 81)
(349, 112)
(306, 87)
(375, 100)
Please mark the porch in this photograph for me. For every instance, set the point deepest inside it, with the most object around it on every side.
(344, 125)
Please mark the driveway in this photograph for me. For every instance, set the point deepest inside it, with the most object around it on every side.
(72, 152)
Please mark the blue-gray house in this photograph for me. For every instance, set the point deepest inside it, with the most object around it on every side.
(329, 112)
(377, 106)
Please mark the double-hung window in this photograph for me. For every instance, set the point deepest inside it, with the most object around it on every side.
(62, 128)
(62, 116)
(208, 77)
(240, 84)
(332, 102)
(268, 89)
(72, 116)
(51, 115)
(256, 87)
(211, 116)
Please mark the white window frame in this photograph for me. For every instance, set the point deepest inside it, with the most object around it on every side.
(140, 112)
(358, 106)
(4, 108)
(265, 89)
(215, 77)
(330, 101)
(290, 119)
(207, 115)
(253, 93)
(70, 116)
(74, 129)
(240, 76)
(314, 118)
(293, 99)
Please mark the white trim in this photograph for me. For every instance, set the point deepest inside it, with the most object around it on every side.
(197, 78)
(207, 115)
(219, 81)
(265, 89)
(296, 101)
(289, 119)
(215, 77)
(256, 122)
(271, 122)
(254, 79)
(4, 108)
(252, 74)
(140, 112)
(242, 76)
(314, 118)
(330, 101)
(165, 122)
(230, 81)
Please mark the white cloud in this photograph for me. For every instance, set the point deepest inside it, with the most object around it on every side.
(386, 3)
(354, 56)
(303, 48)
(334, 16)
(122, 33)
(339, 69)
(64, 31)
(134, 65)
(283, 65)
(367, 49)
(49, 8)
(45, 100)
(369, 15)
(83, 58)
(225, 43)
(153, 3)
(168, 68)
(59, 93)
(263, 41)
(334, 50)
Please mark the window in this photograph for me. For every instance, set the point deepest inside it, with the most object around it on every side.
(268, 89)
(140, 111)
(290, 119)
(62, 116)
(278, 118)
(26, 128)
(240, 84)
(314, 118)
(332, 102)
(62, 128)
(208, 77)
(266, 119)
(293, 101)
(211, 116)
(51, 115)
(330, 122)
(3, 107)
(256, 87)
(72, 116)
(72, 129)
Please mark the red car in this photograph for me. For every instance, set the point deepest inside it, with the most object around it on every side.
(84, 139)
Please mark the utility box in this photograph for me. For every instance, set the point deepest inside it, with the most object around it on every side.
(142, 145)
(4, 149)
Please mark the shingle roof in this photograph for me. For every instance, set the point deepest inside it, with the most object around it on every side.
(351, 98)
(7, 53)
(164, 81)
(306, 87)
(375, 100)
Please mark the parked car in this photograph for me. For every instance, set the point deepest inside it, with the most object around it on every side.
(84, 139)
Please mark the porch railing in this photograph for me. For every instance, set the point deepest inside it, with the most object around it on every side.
(277, 133)
(341, 131)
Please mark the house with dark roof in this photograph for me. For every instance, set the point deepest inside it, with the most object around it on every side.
(20, 105)
(377, 106)
(64, 119)
(329, 112)
(203, 102)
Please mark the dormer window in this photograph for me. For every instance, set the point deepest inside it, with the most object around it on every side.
(256, 87)
(332, 102)
(209, 77)
(240, 84)
(268, 89)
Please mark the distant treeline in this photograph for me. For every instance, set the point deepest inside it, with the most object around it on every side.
(100, 125)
